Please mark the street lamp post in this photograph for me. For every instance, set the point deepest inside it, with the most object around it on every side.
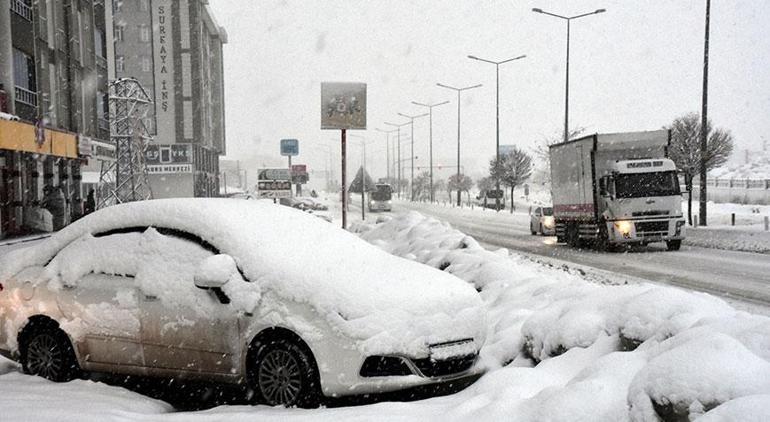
(430, 117)
(363, 173)
(459, 90)
(566, 84)
(387, 150)
(497, 118)
(398, 148)
(411, 123)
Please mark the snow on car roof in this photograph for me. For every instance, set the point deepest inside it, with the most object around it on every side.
(367, 292)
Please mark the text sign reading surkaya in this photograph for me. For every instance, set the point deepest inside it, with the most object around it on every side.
(343, 105)
(289, 147)
(163, 60)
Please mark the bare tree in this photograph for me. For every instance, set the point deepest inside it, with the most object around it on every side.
(685, 149)
(465, 184)
(542, 154)
(422, 186)
(514, 168)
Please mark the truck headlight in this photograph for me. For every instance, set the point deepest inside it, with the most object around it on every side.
(679, 225)
(371, 202)
(624, 227)
(388, 202)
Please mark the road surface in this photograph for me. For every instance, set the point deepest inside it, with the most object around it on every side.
(742, 276)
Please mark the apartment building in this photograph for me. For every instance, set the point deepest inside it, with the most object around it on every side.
(174, 48)
(53, 75)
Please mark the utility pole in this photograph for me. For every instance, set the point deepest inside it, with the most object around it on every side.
(430, 114)
(497, 117)
(387, 150)
(704, 120)
(459, 90)
(411, 124)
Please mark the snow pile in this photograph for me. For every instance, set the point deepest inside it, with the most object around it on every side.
(756, 167)
(387, 304)
(689, 352)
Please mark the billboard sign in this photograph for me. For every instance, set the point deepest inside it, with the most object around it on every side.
(289, 147)
(343, 105)
(168, 154)
(299, 174)
(273, 183)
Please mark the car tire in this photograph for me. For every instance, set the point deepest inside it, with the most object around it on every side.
(532, 231)
(673, 245)
(48, 353)
(283, 374)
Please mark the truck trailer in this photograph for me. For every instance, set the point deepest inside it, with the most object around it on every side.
(616, 188)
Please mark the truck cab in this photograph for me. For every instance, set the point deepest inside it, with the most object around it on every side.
(640, 202)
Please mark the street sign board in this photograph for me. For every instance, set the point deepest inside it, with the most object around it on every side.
(273, 174)
(289, 147)
(273, 183)
(343, 105)
(297, 169)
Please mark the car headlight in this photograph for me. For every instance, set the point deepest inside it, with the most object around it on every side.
(371, 202)
(388, 202)
(624, 227)
(548, 222)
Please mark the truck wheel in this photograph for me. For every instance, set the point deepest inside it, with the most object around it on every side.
(673, 245)
(573, 236)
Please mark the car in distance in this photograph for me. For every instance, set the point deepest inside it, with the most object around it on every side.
(210, 289)
(541, 222)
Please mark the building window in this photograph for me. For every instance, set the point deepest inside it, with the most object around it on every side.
(24, 71)
(119, 32)
(144, 5)
(144, 33)
(146, 64)
(120, 64)
(99, 44)
(117, 6)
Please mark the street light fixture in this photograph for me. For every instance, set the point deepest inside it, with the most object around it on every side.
(459, 90)
(497, 118)
(398, 170)
(430, 114)
(566, 84)
(411, 123)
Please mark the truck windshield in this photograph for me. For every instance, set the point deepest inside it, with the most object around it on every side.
(638, 185)
(494, 193)
(381, 195)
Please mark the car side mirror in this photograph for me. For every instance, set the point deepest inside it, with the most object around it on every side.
(215, 271)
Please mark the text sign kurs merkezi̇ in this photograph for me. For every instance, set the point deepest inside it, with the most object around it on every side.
(289, 147)
(343, 105)
(273, 183)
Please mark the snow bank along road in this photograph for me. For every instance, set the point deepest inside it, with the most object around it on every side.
(743, 276)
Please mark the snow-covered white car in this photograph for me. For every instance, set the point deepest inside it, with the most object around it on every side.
(541, 222)
(212, 289)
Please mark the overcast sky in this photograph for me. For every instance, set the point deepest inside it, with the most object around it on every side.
(635, 67)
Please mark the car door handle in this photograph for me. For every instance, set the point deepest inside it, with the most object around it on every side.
(150, 298)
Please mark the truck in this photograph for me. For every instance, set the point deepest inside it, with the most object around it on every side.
(488, 198)
(380, 197)
(616, 189)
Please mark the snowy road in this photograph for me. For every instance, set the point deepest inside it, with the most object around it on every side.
(739, 275)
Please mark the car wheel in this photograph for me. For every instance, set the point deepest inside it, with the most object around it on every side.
(284, 375)
(673, 245)
(49, 354)
(530, 229)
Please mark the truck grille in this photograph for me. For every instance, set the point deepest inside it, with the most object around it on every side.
(652, 226)
(438, 368)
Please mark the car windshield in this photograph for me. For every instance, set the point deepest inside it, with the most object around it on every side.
(495, 193)
(548, 211)
(638, 185)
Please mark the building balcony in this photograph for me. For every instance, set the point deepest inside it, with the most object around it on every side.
(26, 96)
(21, 8)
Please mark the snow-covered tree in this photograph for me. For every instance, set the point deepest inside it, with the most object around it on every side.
(685, 149)
(465, 184)
(513, 169)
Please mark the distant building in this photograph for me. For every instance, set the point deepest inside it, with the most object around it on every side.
(174, 48)
(54, 75)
